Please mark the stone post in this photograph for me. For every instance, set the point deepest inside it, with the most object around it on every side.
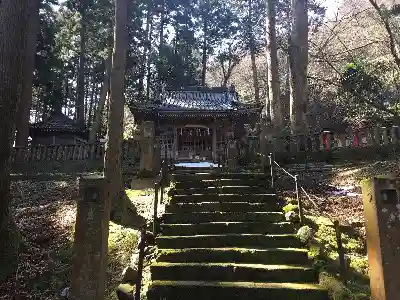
(147, 146)
(385, 136)
(377, 136)
(321, 141)
(89, 263)
(370, 136)
(394, 134)
(232, 155)
(341, 137)
(382, 223)
(294, 146)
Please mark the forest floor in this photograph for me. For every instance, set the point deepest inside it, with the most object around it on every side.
(45, 215)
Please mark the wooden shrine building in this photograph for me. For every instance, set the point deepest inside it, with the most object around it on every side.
(195, 123)
(58, 129)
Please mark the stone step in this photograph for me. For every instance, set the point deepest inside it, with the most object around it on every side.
(215, 175)
(226, 227)
(184, 290)
(222, 206)
(263, 198)
(228, 240)
(236, 190)
(204, 217)
(232, 272)
(222, 182)
(236, 255)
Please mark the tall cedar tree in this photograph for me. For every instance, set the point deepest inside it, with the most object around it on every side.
(14, 17)
(298, 57)
(26, 101)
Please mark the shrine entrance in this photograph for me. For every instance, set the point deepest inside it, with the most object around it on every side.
(195, 142)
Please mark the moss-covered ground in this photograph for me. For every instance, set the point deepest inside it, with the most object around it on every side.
(44, 212)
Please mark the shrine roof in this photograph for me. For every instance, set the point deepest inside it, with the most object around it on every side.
(58, 122)
(197, 100)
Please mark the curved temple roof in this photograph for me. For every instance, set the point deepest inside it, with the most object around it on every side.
(197, 101)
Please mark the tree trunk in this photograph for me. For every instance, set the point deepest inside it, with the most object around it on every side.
(394, 48)
(205, 46)
(161, 46)
(273, 69)
(147, 48)
(298, 56)
(252, 47)
(92, 99)
(103, 95)
(148, 63)
(80, 99)
(26, 101)
(14, 24)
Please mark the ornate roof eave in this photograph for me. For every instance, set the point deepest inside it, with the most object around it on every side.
(140, 112)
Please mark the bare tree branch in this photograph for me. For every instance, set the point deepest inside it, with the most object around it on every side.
(392, 41)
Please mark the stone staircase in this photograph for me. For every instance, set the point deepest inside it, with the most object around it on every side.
(224, 237)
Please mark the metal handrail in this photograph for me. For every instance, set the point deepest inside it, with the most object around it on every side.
(299, 202)
(343, 267)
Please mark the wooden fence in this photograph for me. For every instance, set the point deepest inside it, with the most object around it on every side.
(76, 152)
(327, 140)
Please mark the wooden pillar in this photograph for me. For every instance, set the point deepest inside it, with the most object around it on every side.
(175, 153)
(329, 140)
(214, 141)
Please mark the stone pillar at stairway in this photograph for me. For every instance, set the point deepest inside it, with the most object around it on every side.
(147, 144)
(89, 263)
(382, 223)
(232, 155)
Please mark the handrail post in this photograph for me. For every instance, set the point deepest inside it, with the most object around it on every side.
(342, 261)
(271, 169)
(155, 219)
(142, 246)
(299, 203)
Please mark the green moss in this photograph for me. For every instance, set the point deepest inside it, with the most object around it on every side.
(121, 243)
(323, 252)
(290, 207)
(360, 264)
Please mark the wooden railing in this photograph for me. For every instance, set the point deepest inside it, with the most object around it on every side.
(95, 151)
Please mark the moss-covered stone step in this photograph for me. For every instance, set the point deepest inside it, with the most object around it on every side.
(223, 206)
(184, 290)
(214, 175)
(204, 217)
(232, 272)
(229, 240)
(236, 255)
(265, 197)
(240, 190)
(222, 182)
(226, 227)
